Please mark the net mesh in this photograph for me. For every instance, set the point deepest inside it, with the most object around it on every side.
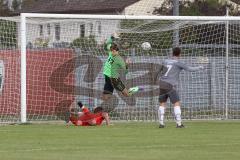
(65, 59)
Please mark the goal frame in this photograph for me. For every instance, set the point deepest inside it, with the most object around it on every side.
(23, 25)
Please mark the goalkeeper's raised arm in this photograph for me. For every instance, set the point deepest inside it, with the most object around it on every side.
(110, 40)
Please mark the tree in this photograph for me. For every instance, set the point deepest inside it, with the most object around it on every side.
(27, 3)
(7, 28)
(197, 8)
(236, 1)
(15, 4)
(142, 31)
(8, 34)
(4, 10)
(84, 42)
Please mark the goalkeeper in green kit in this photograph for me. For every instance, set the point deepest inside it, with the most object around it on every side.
(112, 68)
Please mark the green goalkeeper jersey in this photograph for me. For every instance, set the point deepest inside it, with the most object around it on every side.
(114, 64)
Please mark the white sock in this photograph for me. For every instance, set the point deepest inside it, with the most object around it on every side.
(177, 112)
(161, 111)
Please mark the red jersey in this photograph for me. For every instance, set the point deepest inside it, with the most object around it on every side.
(88, 118)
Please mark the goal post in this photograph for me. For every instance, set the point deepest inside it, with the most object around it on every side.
(23, 70)
(62, 57)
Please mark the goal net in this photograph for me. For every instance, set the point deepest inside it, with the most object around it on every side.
(65, 57)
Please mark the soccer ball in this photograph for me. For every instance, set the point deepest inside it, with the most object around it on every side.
(146, 46)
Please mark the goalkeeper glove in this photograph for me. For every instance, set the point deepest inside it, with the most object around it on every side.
(115, 36)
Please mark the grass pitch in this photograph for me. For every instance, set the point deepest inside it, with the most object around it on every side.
(123, 141)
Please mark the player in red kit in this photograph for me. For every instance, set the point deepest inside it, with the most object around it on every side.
(87, 118)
